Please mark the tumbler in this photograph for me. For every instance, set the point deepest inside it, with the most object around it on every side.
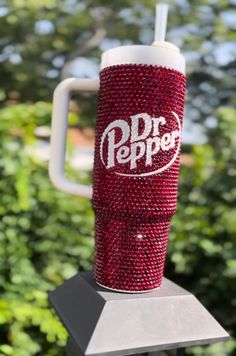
(136, 163)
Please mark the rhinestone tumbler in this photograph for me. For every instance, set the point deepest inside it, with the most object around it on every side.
(136, 164)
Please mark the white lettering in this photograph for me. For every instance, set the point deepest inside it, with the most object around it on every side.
(156, 122)
(142, 139)
(123, 154)
(153, 146)
(136, 122)
(125, 130)
(137, 151)
(166, 141)
(175, 134)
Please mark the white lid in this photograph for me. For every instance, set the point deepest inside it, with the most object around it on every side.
(161, 53)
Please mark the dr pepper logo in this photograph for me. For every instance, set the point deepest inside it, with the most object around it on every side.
(143, 146)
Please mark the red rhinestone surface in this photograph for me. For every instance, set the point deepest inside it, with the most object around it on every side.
(133, 210)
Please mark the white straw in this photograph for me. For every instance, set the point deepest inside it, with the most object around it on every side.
(161, 21)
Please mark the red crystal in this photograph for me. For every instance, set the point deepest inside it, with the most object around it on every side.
(133, 210)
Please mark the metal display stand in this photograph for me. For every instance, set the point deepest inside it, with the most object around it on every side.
(106, 323)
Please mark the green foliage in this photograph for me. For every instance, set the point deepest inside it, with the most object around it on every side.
(46, 237)
(40, 39)
(202, 249)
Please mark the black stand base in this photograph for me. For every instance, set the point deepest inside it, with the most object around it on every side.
(106, 323)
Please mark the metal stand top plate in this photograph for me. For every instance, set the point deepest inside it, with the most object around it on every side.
(103, 322)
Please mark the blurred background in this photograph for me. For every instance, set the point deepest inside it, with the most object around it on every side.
(47, 236)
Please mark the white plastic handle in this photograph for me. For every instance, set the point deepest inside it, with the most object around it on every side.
(59, 131)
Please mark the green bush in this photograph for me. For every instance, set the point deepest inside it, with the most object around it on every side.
(202, 248)
(46, 236)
